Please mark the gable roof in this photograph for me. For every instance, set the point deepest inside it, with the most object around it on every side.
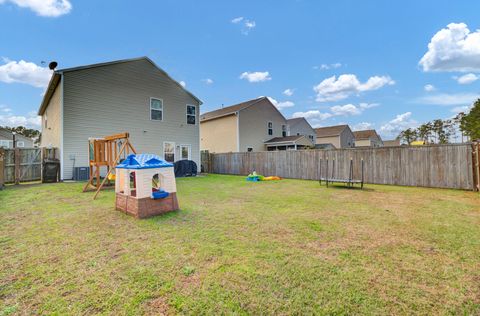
(284, 139)
(6, 134)
(329, 131)
(229, 110)
(57, 74)
(366, 134)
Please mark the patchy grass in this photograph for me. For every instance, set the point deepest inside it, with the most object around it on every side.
(236, 247)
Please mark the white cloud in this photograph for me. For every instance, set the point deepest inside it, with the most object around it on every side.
(333, 89)
(183, 83)
(237, 20)
(467, 79)
(48, 8)
(281, 105)
(464, 109)
(25, 72)
(328, 66)
(445, 99)
(398, 124)
(288, 92)
(365, 106)
(208, 81)
(429, 88)
(7, 118)
(362, 126)
(246, 24)
(345, 110)
(454, 48)
(256, 76)
(313, 115)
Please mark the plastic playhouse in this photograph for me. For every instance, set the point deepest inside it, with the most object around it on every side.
(145, 186)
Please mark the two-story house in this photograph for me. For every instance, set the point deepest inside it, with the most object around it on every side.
(254, 125)
(367, 138)
(338, 136)
(300, 126)
(134, 96)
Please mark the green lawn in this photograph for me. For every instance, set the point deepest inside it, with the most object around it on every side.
(284, 247)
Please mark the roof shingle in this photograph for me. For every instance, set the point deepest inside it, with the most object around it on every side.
(229, 109)
(329, 131)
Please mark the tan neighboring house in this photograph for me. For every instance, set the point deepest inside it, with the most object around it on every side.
(391, 143)
(134, 96)
(367, 138)
(254, 125)
(6, 140)
(338, 136)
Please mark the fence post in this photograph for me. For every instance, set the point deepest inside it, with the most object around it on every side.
(476, 165)
(17, 165)
(2, 167)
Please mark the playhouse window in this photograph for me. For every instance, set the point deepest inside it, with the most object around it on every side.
(155, 182)
(156, 109)
(270, 128)
(191, 114)
(133, 184)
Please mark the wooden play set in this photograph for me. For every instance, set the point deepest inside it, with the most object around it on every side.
(106, 152)
(144, 184)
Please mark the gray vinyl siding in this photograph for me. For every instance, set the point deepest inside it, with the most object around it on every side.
(301, 127)
(347, 138)
(116, 98)
(253, 125)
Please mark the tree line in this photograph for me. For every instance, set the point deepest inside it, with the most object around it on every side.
(463, 125)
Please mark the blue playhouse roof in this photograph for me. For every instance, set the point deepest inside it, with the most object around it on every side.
(143, 161)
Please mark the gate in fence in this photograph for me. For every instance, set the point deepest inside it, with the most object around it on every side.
(23, 164)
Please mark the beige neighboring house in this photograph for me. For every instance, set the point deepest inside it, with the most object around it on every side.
(391, 143)
(132, 95)
(338, 136)
(299, 126)
(254, 125)
(367, 138)
(6, 140)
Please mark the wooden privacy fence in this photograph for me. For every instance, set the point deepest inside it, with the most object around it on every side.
(24, 164)
(438, 166)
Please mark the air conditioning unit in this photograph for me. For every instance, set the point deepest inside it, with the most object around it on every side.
(81, 173)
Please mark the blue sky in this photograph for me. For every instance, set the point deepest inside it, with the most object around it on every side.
(386, 75)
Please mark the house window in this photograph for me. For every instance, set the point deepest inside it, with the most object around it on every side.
(191, 114)
(5, 143)
(20, 144)
(169, 151)
(249, 149)
(270, 128)
(284, 130)
(185, 152)
(156, 109)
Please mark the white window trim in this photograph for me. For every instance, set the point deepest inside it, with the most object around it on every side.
(186, 114)
(268, 123)
(5, 143)
(174, 150)
(189, 151)
(163, 112)
(20, 142)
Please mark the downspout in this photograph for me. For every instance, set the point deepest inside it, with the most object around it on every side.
(238, 130)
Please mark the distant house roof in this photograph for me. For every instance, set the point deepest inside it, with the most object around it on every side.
(57, 74)
(296, 119)
(284, 139)
(330, 131)
(366, 134)
(143, 161)
(229, 110)
(5, 134)
(391, 143)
